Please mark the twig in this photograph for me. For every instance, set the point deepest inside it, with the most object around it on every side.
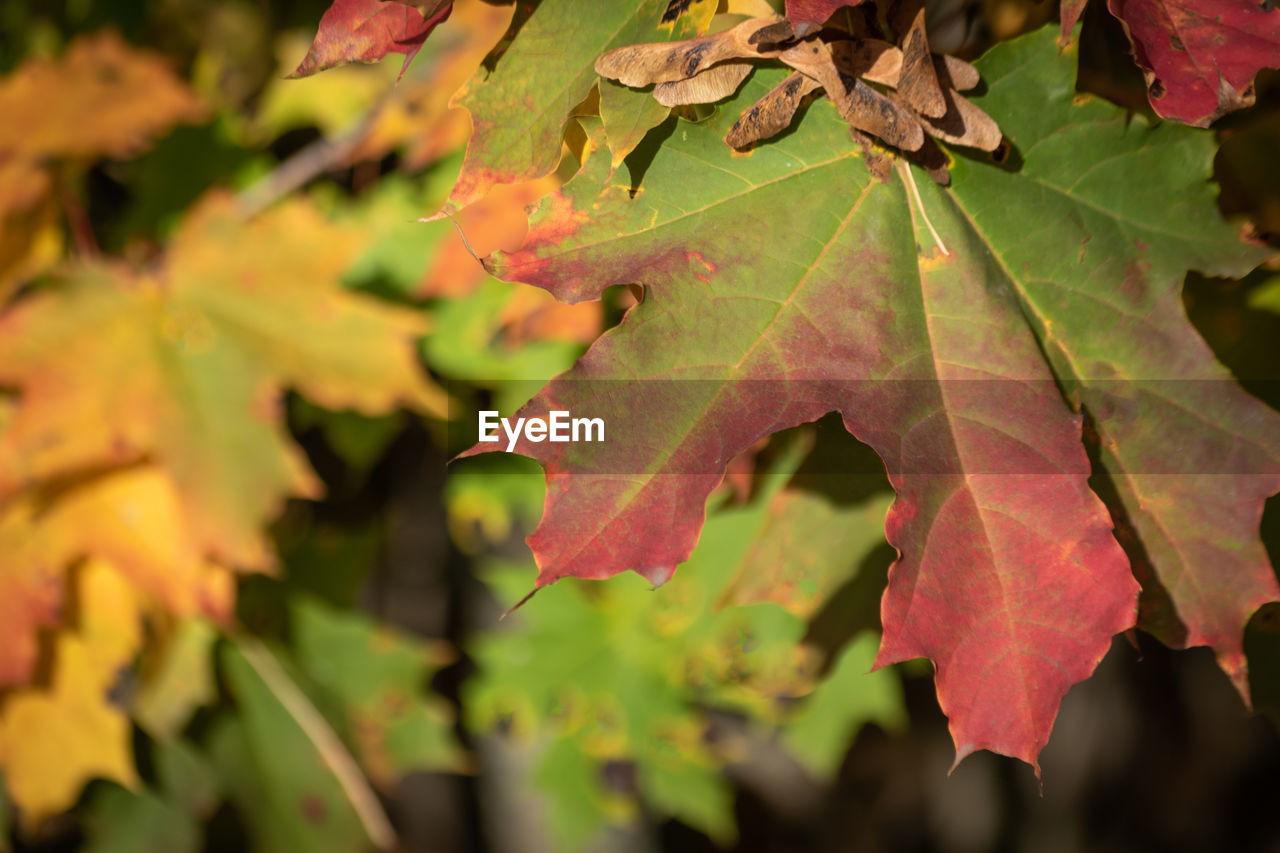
(77, 220)
(323, 155)
(332, 751)
(467, 244)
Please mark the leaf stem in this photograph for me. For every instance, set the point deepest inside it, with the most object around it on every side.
(331, 749)
(905, 169)
(77, 220)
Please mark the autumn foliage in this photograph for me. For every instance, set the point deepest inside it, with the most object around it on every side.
(780, 214)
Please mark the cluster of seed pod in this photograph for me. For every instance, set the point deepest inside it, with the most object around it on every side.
(902, 94)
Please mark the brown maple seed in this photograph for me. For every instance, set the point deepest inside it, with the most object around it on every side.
(857, 103)
(921, 90)
(705, 87)
(964, 124)
(773, 113)
(640, 65)
(871, 59)
(917, 81)
(955, 73)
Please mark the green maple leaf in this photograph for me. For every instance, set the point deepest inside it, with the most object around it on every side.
(519, 111)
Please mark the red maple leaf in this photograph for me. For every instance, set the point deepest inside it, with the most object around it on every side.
(367, 30)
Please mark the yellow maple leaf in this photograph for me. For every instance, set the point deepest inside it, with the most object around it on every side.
(130, 517)
(185, 367)
(102, 98)
(55, 738)
(31, 584)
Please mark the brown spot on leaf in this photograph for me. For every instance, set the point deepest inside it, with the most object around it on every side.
(396, 703)
(313, 808)
(693, 58)
(675, 9)
(1133, 287)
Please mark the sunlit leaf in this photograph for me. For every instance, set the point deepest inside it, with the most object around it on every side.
(55, 738)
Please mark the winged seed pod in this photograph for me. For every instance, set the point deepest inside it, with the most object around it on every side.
(900, 94)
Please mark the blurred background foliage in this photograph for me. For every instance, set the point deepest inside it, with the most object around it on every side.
(363, 691)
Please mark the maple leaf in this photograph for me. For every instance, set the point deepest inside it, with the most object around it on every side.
(1199, 57)
(101, 98)
(541, 94)
(367, 30)
(184, 367)
(494, 222)
(945, 360)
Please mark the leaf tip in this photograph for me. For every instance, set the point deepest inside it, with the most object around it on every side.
(656, 575)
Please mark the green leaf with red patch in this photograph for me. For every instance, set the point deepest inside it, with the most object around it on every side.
(961, 346)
